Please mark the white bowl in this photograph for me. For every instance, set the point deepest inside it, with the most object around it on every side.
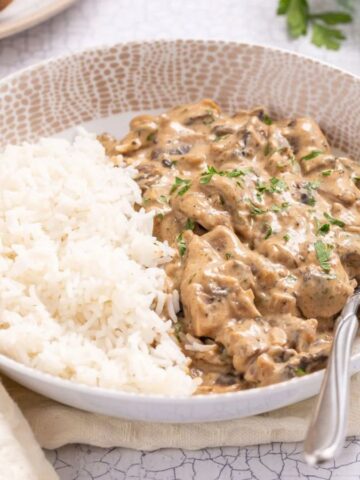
(101, 89)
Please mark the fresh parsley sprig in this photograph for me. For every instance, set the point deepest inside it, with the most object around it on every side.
(299, 18)
(323, 254)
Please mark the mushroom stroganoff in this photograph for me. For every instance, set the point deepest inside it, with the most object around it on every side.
(265, 221)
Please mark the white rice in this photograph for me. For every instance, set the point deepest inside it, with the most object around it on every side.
(81, 290)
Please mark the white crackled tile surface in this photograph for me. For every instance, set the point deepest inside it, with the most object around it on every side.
(93, 22)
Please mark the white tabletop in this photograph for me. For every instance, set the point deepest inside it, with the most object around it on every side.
(94, 22)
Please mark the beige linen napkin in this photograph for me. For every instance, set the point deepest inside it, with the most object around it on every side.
(21, 458)
(54, 425)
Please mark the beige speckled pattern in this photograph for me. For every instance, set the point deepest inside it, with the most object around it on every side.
(56, 95)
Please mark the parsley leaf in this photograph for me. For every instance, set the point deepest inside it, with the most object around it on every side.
(334, 221)
(324, 229)
(311, 155)
(181, 244)
(299, 372)
(190, 224)
(283, 7)
(327, 37)
(255, 210)
(206, 176)
(276, 185)
(228, 256)
(323, 254)
(286, 237)
(326, 173)
(297, 17)
(269, 231)
(266, 119)
(184, 183)
(333, 18)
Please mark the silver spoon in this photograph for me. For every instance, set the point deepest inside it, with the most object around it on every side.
(327, 430)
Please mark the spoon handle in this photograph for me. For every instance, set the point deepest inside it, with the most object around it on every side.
(327, 429)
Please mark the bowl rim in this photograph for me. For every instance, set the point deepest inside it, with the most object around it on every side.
(139, 397)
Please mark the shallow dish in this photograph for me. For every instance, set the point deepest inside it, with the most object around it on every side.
(99, 88)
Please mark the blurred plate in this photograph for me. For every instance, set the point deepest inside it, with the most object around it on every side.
(23, 14)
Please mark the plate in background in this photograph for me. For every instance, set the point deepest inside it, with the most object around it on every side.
(99, 88)
(23, 14)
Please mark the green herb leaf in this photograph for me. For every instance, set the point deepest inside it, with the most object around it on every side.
(324, 229)
(333, 18)
(286, 237)
(329, 38)
(311, 155)
(184, 183)
(283, 7)
(151, 137)
(181, 245)
(228, 256)
(269, 231)
(190, 224)
(299, 372)
(163, 199)
(159, 216)
(280, 208)
(266, 119)
(334, 221)
(326, 173)
(207, 175)
(323, 254)
(255, 210)
(297, 17)
(276, 185)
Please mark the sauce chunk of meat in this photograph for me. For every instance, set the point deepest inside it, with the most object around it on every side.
(265, 221)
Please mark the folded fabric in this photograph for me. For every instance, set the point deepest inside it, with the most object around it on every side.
(21, 458)
(55, 425)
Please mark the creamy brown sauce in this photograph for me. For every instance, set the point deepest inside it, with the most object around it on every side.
(265, 220)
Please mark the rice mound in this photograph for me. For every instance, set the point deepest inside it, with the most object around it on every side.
(81, 291)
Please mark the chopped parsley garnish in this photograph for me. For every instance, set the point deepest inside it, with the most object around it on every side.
(280, 208)
(334, 221)
(323, 254)
(276, 185)
(178, 328)
(163, 199)
(228, 256)
(255, 210)
(190, 224)
(181, 244)
(269, 231)
(151, 137)
(326, 173)
(267, 149)
(219, 137)
(308, 198)
(206, 176)
(180, 182)
(323, 229)
(160, 216)
(311, 155)
(299, 372)
(266, 119)
(286, 237)
(356, 178)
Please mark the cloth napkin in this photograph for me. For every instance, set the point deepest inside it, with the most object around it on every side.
(54, 425)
